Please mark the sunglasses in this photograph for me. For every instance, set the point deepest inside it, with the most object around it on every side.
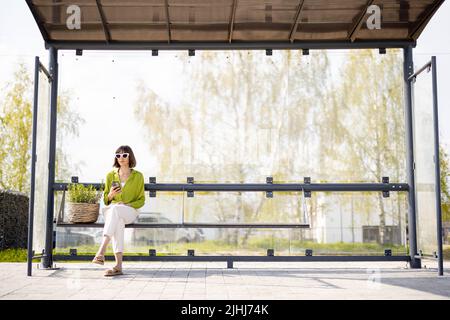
(123, 155)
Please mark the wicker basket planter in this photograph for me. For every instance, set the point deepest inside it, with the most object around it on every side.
(82, 212)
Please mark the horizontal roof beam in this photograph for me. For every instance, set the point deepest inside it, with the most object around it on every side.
(263, 45)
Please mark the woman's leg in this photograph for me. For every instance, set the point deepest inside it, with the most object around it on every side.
(101, 251)
(117, 242)
(108, 230)
(118, 256)
(111, 220)
(125, 215)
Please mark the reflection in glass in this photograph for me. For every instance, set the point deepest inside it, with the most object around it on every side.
(42, 153)
(341, 223)
(335, 116)
(424, 163)
(239, 117)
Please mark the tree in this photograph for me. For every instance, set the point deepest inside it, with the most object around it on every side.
(445, 187)
(16, 135)
(373, 123)
(69, 122)
(308, 123)
(252, 115)
(15, 132)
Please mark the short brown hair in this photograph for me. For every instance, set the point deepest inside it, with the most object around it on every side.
(125, 149)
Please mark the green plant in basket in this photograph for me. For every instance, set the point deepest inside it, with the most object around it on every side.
(80, 193)
(83, 203)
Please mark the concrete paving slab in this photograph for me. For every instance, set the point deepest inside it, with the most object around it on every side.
(213, 281)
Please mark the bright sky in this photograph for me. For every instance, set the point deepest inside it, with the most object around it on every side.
(107, 105)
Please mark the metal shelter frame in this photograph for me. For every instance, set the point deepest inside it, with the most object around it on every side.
(47, 257)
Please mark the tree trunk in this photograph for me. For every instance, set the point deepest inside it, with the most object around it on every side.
(382, 216)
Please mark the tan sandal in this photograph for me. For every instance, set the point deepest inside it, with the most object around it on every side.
(113, 272)
(99, 260)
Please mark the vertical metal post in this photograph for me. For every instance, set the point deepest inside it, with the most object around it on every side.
(408, 70)
(437, 169)
(47, 259)
(33, 167)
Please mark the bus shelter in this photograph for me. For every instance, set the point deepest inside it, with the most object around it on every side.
(154, 25)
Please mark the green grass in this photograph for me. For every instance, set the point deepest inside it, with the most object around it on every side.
(256, 246)
(446, 252)
(14, 255)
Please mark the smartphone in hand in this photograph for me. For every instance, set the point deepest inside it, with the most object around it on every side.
(115, 184)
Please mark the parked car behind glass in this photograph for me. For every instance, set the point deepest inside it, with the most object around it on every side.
(69, 238)
(156, 236)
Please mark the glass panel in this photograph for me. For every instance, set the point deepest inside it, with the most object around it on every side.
(42, 153)
(239, 117)
(341, 223)
(165, 208)
(244, 207)
(424, 161)
(358, 222)
(184, 118)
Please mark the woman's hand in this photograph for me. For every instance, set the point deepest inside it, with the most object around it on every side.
(112, 192)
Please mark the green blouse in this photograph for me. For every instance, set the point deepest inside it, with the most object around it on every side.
(132, 192)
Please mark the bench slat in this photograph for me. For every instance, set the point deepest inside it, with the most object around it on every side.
(191, 225)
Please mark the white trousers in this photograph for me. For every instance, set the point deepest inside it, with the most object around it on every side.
(116, 217)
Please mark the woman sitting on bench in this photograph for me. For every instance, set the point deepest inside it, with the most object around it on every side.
(123, 196)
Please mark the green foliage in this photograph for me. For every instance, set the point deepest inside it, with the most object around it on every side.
(14, 255)
(69, 122)
(79, 193)
(283, 116)
(255, 245)
(16, 128)
(20, 255)
(15, 132)
(445, 187)
(446, 253)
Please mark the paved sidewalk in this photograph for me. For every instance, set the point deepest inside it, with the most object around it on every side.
(212, 280)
